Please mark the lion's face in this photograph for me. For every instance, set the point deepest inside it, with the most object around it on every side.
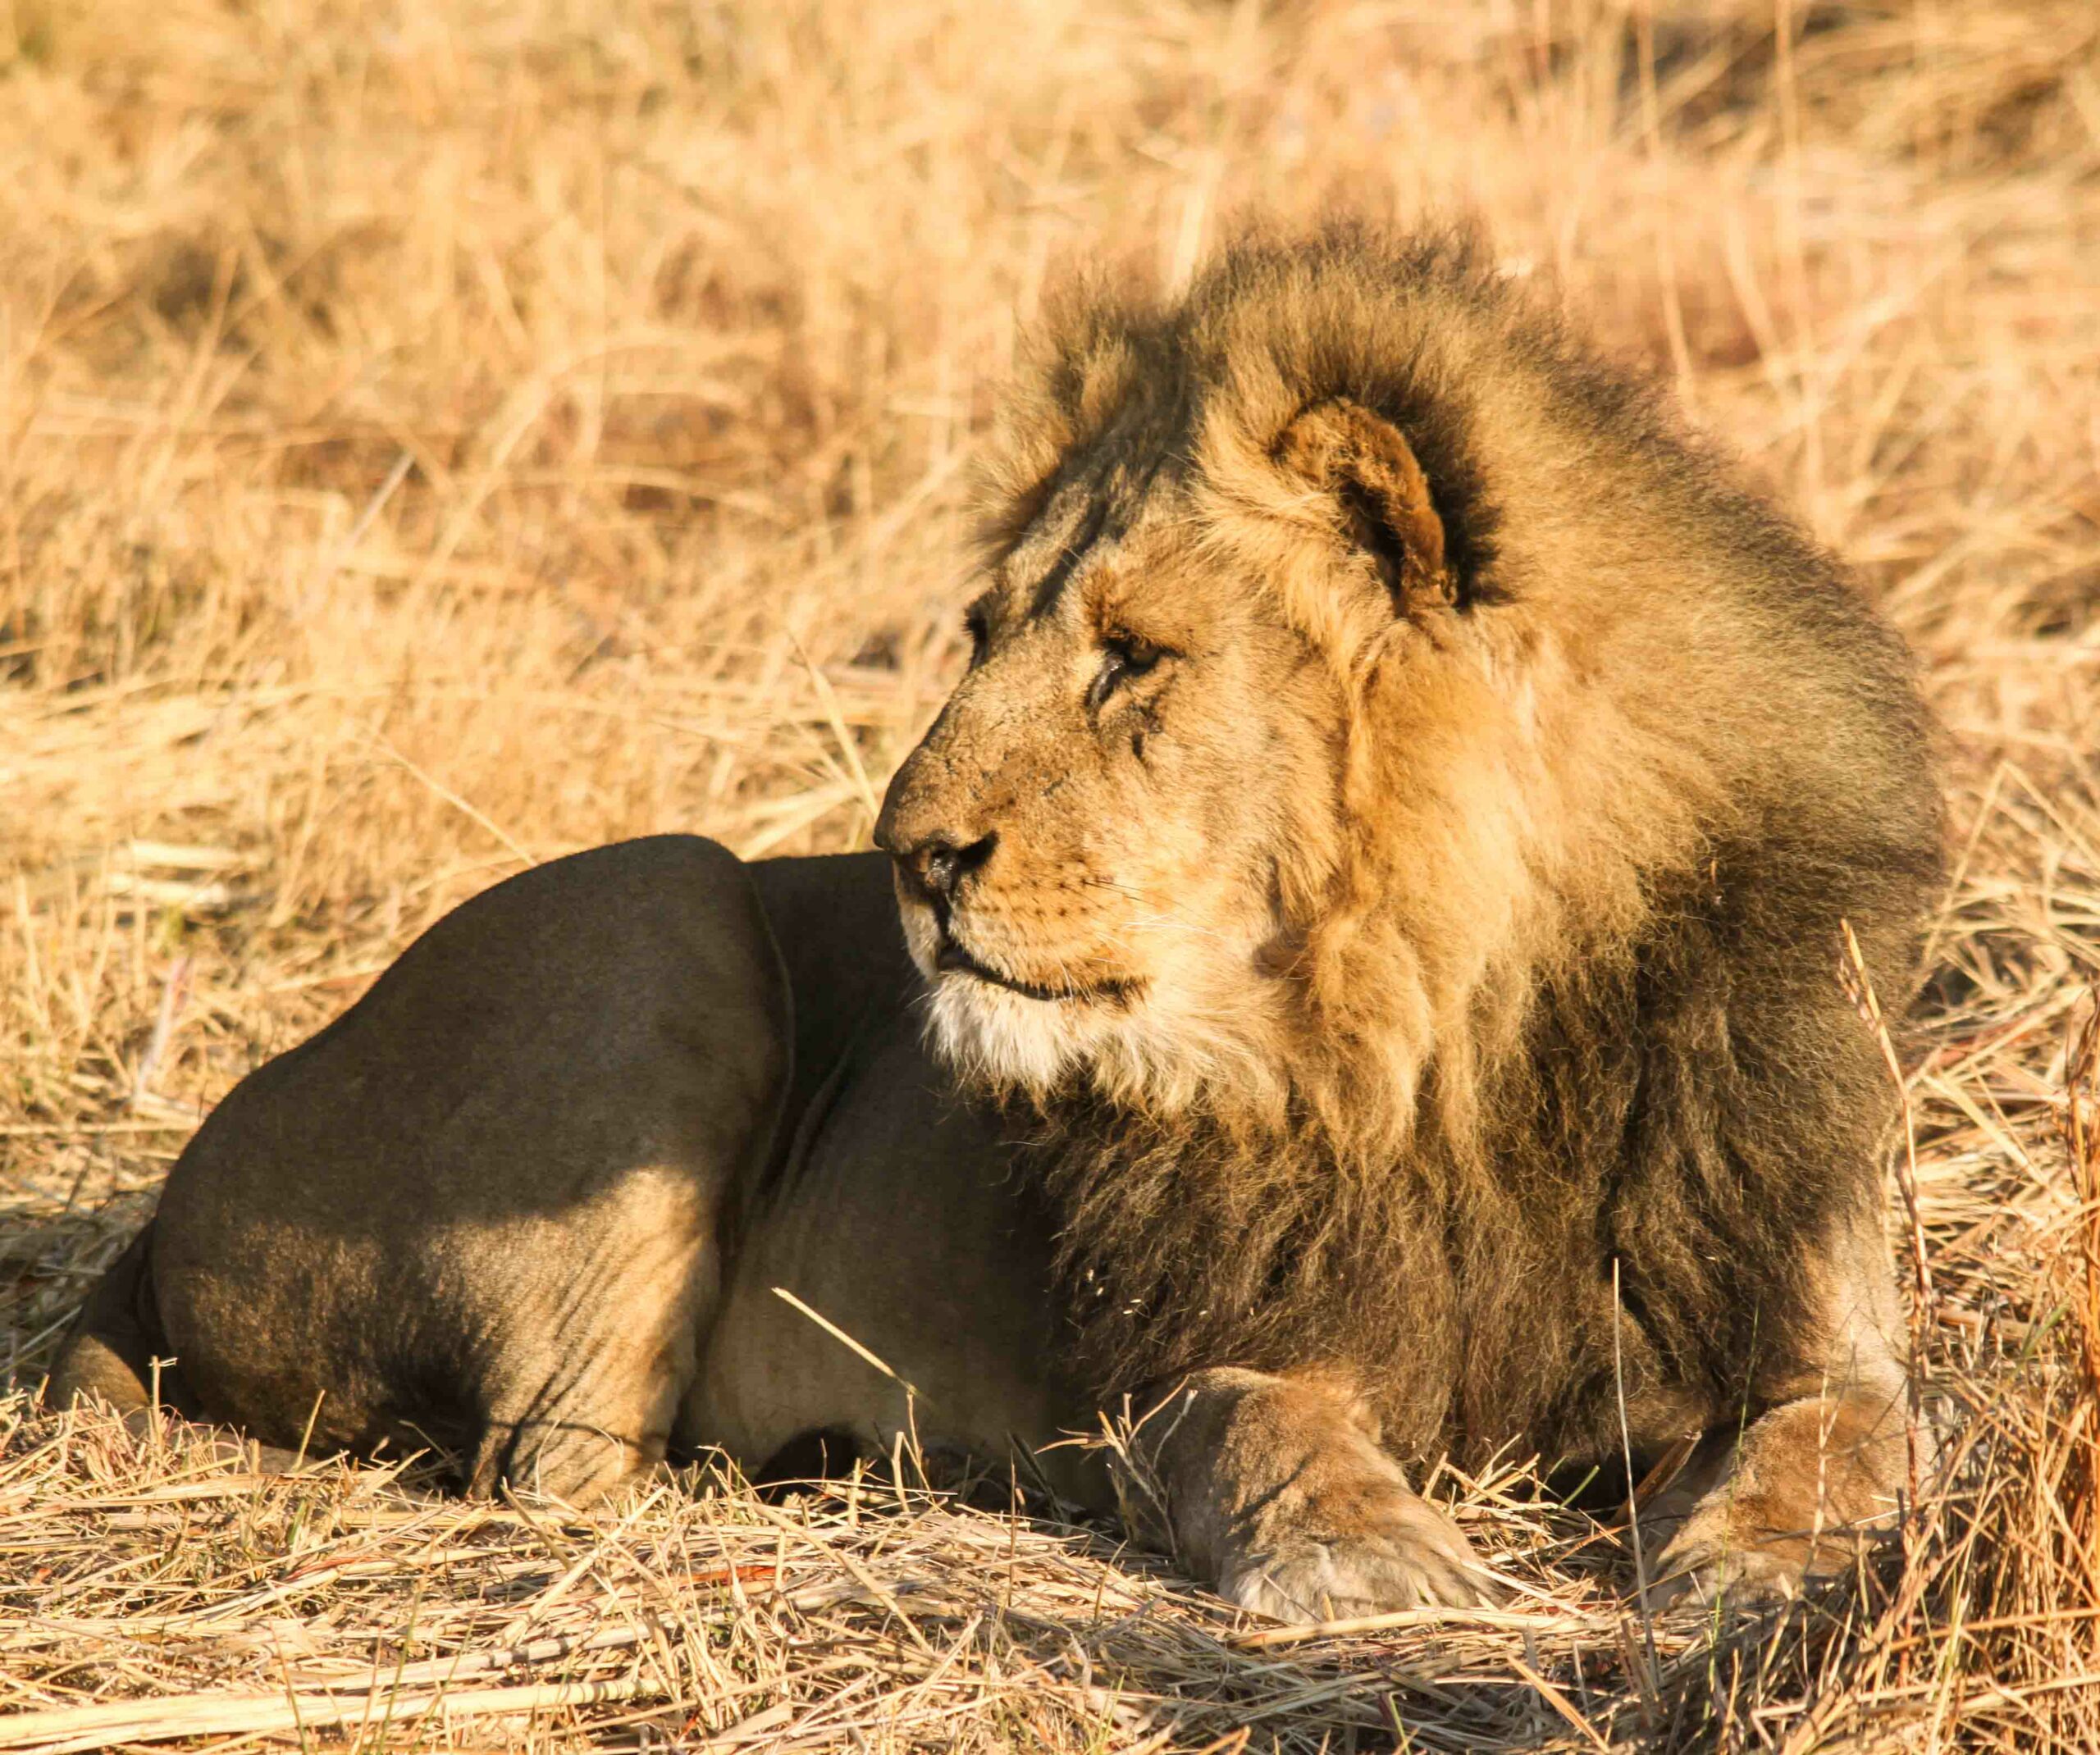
(1113, 843)
(1096, 839)
(1248, 789)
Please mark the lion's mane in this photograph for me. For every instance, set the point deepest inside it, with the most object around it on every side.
(1571, 1037)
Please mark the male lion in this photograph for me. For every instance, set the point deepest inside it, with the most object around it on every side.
(1374, 908)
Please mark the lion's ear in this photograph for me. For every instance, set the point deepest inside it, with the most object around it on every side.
(1341, 448)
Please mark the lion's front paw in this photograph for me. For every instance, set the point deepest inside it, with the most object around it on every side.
(1749, 1577)
(1727, 1553)
(1409, 1555)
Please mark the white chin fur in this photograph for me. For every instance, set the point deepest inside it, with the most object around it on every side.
(1160, 1050)
(1136, 1053)
(1001, 1041)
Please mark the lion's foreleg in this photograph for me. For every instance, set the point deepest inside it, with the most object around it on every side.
(1788, 1490)
(1275, 1488)
(1791, 1497)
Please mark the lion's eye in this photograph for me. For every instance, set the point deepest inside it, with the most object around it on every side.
(980, 635)
(1121, 658)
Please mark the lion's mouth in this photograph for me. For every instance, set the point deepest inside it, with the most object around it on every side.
(952, 956)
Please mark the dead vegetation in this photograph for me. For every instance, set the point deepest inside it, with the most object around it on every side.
(433, 439)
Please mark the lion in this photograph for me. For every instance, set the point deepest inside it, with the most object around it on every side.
(1368, 991)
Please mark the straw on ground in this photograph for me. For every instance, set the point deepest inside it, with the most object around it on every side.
(434, 438)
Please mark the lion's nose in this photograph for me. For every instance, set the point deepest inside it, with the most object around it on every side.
(940, 864)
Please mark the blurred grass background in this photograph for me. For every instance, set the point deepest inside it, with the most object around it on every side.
(436, 438)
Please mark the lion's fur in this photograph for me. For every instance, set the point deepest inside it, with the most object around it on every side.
(1384, 869)
(1562, 992)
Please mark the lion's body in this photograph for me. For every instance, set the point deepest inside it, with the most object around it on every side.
(1377, 904)
(527, 1200)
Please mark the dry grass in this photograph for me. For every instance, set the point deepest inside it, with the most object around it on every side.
(436, 438)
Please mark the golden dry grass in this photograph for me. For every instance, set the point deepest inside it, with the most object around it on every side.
(433, 439)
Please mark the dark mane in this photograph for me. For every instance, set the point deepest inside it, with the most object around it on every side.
(1687, 1092)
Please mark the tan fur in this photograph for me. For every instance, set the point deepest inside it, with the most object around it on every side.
(1375, 901)
(1428, 950)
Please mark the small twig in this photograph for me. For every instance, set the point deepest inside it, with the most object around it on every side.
(173, 990)
(1270, 1637)
(64, 1731)
(1923, 1300)
(911, 1432)
(840, 1335)
(1560, 1704)
(1632, 1508)
(828, 699)
(440, 789)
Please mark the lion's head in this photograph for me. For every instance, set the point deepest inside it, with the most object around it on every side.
(1355, 654)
